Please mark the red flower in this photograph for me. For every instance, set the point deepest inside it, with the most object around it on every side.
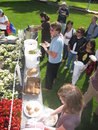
(5, 106)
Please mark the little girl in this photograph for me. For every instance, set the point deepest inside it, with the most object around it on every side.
(71, 109)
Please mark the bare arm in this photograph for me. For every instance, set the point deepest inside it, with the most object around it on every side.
(52, 54)
(58, 110)
(35, 28)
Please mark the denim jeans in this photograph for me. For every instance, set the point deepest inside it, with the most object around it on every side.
(63, 27)
(71, 58)
(65, 52)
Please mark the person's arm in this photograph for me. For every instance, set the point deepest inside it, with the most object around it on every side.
(68, 47)
(58, 110)
(5, 23)
(35, 28)
(52, 54)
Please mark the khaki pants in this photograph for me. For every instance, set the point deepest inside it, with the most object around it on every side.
(91, 92)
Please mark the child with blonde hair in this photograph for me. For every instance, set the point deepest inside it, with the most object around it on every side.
(72, 100)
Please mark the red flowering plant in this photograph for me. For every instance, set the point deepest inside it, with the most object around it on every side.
(5, 106)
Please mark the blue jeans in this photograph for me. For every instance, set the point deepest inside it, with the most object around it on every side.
(65, 52)
(63, 27)
(71, 58)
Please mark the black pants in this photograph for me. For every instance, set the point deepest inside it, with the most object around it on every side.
(65, 52)
(51, 74)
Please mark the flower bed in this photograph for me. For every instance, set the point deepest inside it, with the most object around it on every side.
(5, 106)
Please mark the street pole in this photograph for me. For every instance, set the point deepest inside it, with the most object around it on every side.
(89, 4)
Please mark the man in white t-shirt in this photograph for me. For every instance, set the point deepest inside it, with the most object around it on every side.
(3, 22)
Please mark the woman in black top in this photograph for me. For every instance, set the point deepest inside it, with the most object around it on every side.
(83, 56)
(45, 31)
(86, 51)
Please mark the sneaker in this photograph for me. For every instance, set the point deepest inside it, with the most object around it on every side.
(65, 67)
(71, 71)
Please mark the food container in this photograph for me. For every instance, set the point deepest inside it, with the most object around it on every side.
(31, 60)
(32, 85)
(34, 72)
(30, 44)
(51, 120)
(33, 109)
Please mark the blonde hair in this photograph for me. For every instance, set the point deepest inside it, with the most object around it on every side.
(72, 97)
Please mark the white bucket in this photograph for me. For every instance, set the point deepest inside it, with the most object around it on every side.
(30, 44)
(78, 67)
(31, 60)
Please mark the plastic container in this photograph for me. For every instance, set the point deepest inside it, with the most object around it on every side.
(31, 60)
(30, 44)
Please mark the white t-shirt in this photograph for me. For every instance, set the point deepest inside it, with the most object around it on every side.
(96, 54)
(68, 34)
(3, 20)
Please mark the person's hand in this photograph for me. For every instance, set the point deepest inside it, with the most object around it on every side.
(43, 118)
(44, 46)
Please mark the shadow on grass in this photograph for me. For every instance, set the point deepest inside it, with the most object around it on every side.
(50, 97)
(33, 6)
(28, 6)
(86, 117)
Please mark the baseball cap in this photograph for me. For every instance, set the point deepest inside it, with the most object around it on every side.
(63, 3)
(1, 11)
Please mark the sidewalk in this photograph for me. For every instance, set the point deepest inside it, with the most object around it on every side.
(83, 10)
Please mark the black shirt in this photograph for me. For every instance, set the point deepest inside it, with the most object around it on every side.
(61, 16)
(83, 55)
(79, 42)
(45, 33)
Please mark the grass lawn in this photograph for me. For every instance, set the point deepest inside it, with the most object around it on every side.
(26, 12)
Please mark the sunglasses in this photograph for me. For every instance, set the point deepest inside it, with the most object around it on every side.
(78, 31)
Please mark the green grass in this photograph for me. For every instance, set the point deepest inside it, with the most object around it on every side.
(26, 12)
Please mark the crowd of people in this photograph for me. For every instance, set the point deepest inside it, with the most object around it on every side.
(71, 46)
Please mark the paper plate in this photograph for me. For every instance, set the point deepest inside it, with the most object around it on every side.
(47, 45)
(35, 109)
(11, 37)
